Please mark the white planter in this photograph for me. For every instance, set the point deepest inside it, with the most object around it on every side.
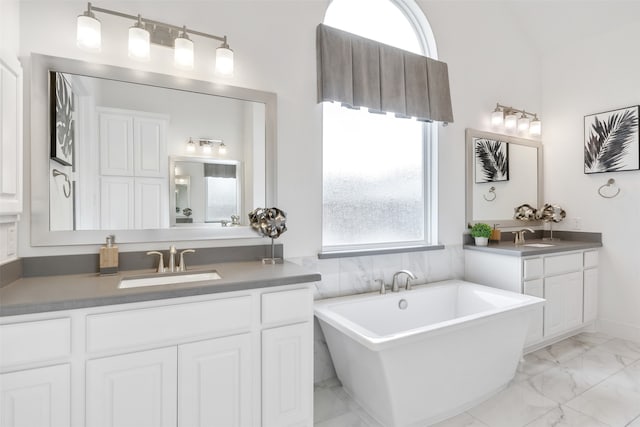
(481, 241)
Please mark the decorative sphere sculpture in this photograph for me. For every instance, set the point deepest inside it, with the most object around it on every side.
(269, 222)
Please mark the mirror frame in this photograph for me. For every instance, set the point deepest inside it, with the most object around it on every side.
(469, 178)
(41, 235)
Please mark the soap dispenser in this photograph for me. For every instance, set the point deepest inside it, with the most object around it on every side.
(109, 256)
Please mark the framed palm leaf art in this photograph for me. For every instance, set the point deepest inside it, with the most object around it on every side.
(62, 119)
(491, 160)
(612, 141)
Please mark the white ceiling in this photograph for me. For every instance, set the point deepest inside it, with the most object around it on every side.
(550, 24)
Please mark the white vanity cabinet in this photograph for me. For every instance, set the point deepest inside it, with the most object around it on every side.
(567, 280)
(234, 359)
(35, 380)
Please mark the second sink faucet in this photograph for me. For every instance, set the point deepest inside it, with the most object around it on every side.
(519, 235)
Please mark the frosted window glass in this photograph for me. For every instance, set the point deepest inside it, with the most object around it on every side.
(373, 178)
(222, 199)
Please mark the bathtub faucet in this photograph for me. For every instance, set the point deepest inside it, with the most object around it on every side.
(394, 283)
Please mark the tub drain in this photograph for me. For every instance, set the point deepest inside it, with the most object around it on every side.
(402, 304)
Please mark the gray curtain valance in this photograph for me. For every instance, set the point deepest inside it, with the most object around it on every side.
(217, 170)
(360, 72)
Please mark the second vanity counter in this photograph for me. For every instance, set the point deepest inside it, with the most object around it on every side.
(52, 293)
(534, 247)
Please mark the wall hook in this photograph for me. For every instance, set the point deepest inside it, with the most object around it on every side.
(66, 187)
(492, 195)
(610, 182)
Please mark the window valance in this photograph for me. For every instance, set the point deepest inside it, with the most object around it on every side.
(218, 170)
(360, 72)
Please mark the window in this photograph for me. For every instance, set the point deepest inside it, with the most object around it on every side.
(379, 171)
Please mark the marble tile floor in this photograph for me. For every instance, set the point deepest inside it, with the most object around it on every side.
(589, 380)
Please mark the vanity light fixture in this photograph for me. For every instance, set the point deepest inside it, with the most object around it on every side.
(222, 149)
(146, 31)
(503, 116)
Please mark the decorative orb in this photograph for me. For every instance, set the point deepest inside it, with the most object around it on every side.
(269, 222)
(552, 213)
(525, 213)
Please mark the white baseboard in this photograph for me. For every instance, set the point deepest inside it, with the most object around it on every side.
(619, 330)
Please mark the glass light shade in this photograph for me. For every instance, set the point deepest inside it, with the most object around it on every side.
(497, 118)
(510, 121)
(139, 45)
(523, 124)
(183, 53)
(222, 149)
(224, 61)
(191, 146)
(536, 127)
(206, 148)
(88, 33)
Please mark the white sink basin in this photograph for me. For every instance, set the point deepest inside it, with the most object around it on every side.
(538, 245)
(161, 279)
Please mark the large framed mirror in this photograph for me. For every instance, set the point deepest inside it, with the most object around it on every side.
(502, 173)
(106, 142)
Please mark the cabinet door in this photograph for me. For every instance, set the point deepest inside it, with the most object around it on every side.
(590, 295)
(150, 147)
(151, 203)
(136, 389)
(287, 376)
(563, 309)
(116, 144)
(215, 383)
(10, 139)
(535, 288)
(116, 203)
(36, 397)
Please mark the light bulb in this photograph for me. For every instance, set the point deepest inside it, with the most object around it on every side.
(497, 118)
(183, 52)
(222, 149)
(510, 121)
(523, 123)
(206, 148)
(224, 60)
(88, 33)
(535, 128)
(139, 45)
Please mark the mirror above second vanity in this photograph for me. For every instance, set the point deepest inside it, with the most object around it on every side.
(502, 173)
(129, 131)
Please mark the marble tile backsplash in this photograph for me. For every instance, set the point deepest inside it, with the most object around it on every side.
(348, 276)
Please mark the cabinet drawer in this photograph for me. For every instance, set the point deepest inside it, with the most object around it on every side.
(287, 306)
(30, 342)
(562, 264)
(590, 259)
(532, 268)
(157, 325)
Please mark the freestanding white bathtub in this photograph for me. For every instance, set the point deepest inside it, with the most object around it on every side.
(455, 344)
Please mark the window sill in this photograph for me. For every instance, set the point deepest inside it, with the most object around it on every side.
(380, 251)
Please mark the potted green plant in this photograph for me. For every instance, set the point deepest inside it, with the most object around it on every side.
(481, 233)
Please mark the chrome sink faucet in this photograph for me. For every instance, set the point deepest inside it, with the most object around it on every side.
(172, 258)
(519, 235)
(394, 282)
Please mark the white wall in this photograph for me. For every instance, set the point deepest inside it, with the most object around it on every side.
(274, 43)
(589, 76)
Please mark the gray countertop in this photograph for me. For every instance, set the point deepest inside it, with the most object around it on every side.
(509, 248)
(52, 293)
